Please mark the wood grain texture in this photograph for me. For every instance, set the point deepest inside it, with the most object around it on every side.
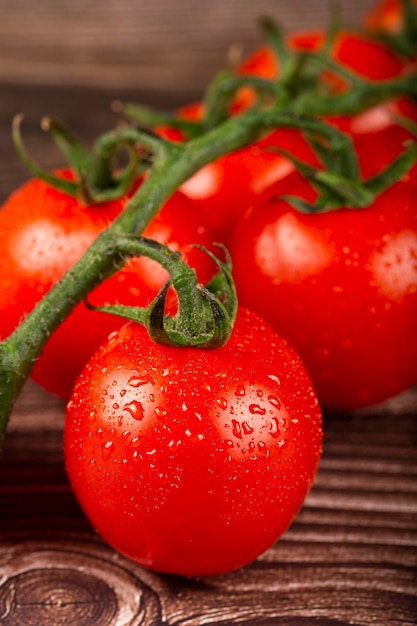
(171, 46)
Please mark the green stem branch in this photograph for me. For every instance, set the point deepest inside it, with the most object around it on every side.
(173, 165)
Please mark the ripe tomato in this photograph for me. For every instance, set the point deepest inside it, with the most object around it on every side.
(341, 286)
(193, 462)
(43, 232)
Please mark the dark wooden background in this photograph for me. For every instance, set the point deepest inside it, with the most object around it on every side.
(350, 557)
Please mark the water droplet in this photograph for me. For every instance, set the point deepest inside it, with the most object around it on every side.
(221, 375)
(122, 393)
(135, 409)
(184, 407)
(136, 381)
(229, 443)
(259, 393)
(188, 432)
(116, 406)
(222, 402)
(126, 434)
(107, 450)
(248, 430)
(135, 442)
(274, 378)
(160, 412)
(236, 429)
(240, 391)
(273, 429)
(255, 409)
(274, 401)
(92, 415)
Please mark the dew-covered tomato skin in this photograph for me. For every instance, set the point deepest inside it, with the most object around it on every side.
(341, 286)
(189, 461)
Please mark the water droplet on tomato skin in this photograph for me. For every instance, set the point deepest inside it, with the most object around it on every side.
(236, 429)
(135, 409)
(246, 428)
(255, 409)
(160, 412)
(273, 428)
(92, 415)
(107, 450)
(222, 402)
(136, 381)
(274, 401)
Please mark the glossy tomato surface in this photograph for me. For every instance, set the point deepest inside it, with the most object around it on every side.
(190, 461)
(43, 232)
(341, 286)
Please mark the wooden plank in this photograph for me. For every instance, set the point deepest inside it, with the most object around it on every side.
(153, 46)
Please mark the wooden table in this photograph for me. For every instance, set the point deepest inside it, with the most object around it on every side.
(349, 558)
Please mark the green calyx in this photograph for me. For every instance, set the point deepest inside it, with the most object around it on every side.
(97, 179)
(339, 184)
(206, 313)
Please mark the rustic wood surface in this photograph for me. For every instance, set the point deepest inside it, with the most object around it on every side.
(350, 557)
(159, 46)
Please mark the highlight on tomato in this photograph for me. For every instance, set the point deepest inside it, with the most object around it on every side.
(193, 461)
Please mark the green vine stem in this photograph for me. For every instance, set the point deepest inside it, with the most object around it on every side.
(173, 164)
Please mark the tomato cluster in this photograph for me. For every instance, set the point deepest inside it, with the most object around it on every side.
(195, 461)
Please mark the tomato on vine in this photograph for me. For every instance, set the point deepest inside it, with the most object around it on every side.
(340, 285)
(44, 231)
(193, 461)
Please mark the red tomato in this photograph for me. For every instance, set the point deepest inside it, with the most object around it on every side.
(189, 461)
(221, 190)
(341, 286)
(43, 232)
